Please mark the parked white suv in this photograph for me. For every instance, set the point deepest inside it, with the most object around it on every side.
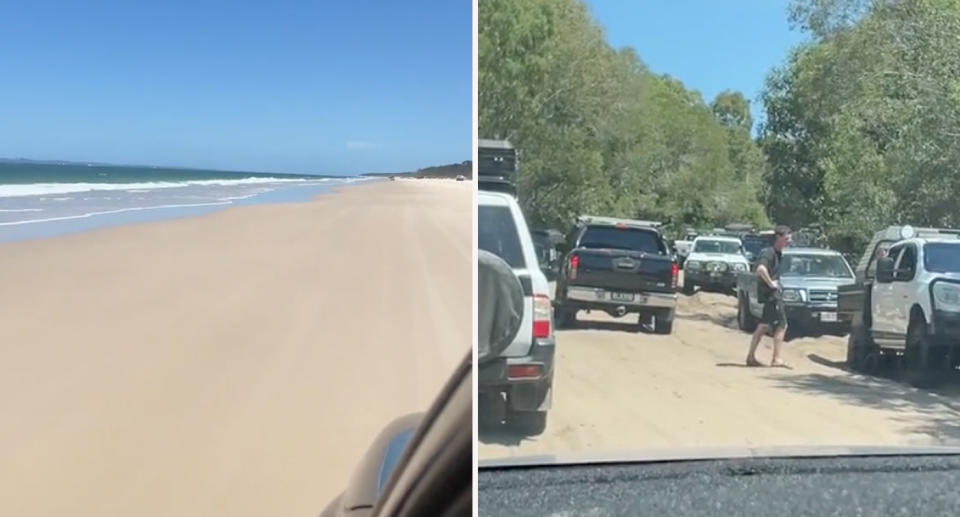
(517, 388)
(915, 306)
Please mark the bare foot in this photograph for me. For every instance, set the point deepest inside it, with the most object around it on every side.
(780, 364)
(752, 361)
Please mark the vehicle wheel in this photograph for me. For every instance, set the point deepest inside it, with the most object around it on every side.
(663, 323)
(564, 318)
(745, 319)
(863, 355)
(923, 363)
(529, 423)
(688, 288)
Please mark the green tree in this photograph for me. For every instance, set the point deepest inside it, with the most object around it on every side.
(599, 133)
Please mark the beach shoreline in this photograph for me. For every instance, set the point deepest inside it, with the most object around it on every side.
(38, 217)
(236, 363)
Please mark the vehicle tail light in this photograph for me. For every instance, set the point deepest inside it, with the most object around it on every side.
(574, 264)
(674, 273)
(523, 371)
(542, 313)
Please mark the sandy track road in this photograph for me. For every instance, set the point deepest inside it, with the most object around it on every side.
(236, 364)
(619, 389)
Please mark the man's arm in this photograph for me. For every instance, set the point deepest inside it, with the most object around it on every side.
(763, 268)
(764, 275)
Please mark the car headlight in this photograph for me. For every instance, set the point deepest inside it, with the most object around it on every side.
(946, 296)
(792, 295)
(739, 267)
(693, 264)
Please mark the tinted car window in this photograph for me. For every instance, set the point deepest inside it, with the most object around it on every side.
(942, 257)
(815, 265)
(633, 239)
(716, 246)
(497, 234)
(756, 244)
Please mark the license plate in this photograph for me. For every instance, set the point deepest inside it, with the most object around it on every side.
(828, 316)
(622, 297)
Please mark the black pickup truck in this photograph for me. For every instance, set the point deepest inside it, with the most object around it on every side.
(618, 266)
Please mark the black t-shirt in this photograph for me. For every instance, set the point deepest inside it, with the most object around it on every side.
(770, 259)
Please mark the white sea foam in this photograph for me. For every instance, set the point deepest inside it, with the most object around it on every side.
(21, 210)
(40, 189)
(104, 212)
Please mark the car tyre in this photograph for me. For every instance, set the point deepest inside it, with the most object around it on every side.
(663, 323)
(922, 361)
(564, 318)
(529, 423)
(863, 355)
(689, 288)
(745, 319)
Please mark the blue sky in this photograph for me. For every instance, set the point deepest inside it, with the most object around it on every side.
(338, 87)
(710, 45)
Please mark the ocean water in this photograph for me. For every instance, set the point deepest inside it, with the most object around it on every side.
(45, 200)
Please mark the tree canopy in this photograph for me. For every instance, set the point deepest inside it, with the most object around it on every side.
(859, 130)
(600, 133)
(862, 122)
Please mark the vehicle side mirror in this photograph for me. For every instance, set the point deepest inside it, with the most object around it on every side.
(885, 270)
(499, 305)
(370, 476)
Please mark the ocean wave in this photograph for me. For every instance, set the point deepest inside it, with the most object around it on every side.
(21, 210)
(40, 189)
(105, 212)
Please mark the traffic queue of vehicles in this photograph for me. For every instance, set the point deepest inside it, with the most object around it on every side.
(900, 304)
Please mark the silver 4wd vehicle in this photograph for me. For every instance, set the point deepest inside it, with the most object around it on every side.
(809, 277)
(714, 263)
(909, 306)
(516, 388)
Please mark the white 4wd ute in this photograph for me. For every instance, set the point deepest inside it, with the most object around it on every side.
(912, 309)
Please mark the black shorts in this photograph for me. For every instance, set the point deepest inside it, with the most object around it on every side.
(773, 314)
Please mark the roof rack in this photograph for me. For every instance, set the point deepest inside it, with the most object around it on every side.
(595, 219)
(496, 166)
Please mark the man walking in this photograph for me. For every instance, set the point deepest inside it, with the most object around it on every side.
(770, 295)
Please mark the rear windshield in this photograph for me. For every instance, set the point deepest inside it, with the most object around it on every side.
(633, 239)
(942, 257)
(716, 246)
(756, 244)
(497, 234)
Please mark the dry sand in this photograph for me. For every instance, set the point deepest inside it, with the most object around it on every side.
(617, 389)
(236, 364)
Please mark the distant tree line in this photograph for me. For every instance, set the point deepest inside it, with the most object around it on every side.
(452, 170)
(860, 132)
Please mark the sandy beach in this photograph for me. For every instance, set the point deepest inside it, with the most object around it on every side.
(235, 364)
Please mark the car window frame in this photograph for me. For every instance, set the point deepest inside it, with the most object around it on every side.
(897, 270)
(870, 272)
(518, 233)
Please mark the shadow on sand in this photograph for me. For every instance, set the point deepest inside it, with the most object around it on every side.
(934, 413)
(629, 326)
(724, 320)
